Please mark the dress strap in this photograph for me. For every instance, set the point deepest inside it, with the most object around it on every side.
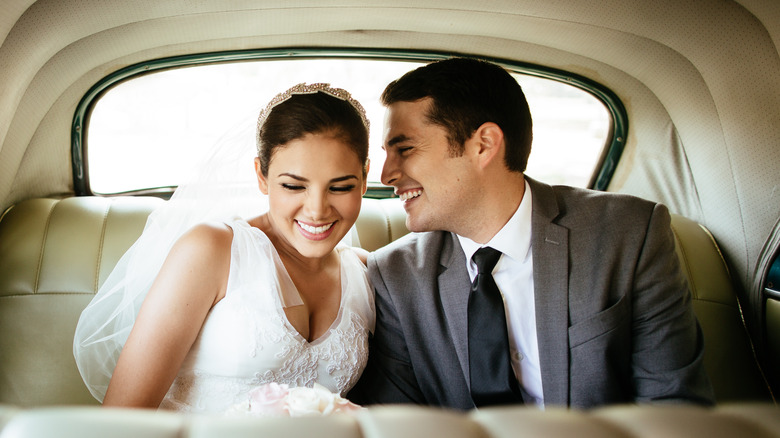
(357, 290)
(256, 262)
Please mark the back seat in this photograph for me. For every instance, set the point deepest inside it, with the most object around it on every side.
(729, 357)
(55, 254)
(724, 421)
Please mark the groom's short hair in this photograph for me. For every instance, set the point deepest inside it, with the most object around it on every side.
(466, 93)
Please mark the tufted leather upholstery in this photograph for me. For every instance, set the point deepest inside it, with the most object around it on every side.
(728, 353)
(54, 254)
(757, 421)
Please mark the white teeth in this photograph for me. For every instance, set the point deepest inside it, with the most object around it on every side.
(316, 230)
(410, 194)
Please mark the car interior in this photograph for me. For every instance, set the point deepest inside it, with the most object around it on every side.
(693, 94)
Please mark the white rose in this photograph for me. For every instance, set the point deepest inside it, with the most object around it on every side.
(240, 409)
(310, 401)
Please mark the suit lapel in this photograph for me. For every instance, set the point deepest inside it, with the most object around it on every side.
(453, 282)
(550, 248)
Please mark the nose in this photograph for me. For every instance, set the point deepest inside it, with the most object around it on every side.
(317, 206)
(390, 171)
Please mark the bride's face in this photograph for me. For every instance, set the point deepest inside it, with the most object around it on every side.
(315, 186)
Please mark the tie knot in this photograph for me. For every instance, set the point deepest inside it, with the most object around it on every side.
(486, 258)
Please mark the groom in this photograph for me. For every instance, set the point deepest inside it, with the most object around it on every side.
(511, 290)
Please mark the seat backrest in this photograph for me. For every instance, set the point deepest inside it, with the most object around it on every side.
(638, 421)
(55, 254)
(729, 357)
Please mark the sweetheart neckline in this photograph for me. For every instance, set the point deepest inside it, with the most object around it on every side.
(280, 301)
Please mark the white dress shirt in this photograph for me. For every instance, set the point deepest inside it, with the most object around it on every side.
(514, 276)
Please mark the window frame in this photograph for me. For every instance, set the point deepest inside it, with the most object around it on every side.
(600, 178)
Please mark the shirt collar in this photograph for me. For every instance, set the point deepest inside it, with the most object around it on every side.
(513, 239)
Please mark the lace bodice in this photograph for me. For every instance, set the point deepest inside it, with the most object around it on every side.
(246, 339)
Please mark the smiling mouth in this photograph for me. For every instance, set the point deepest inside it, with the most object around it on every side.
(315, 230)
(411, 194)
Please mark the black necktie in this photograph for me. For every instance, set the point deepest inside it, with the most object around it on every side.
(490, 369)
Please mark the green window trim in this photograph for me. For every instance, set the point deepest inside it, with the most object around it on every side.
(599, 181)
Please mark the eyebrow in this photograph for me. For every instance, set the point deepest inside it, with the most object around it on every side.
(397, 139)
(334, 180)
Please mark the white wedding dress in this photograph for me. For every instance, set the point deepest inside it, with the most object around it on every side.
(246, 339)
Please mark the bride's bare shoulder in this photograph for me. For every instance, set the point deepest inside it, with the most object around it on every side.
(362, 254)
(207, 238)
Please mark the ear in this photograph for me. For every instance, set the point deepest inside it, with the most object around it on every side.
(261, 181)
(488, 141)
(365, 178)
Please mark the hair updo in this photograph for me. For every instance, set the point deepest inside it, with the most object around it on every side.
(313, 113)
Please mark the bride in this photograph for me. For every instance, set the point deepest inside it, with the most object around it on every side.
(237, 303)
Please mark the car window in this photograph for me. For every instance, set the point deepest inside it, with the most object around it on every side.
(145, 132)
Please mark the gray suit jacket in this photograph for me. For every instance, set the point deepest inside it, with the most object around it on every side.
(614, 317)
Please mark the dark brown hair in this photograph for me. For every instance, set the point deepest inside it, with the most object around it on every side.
(315, 113)
(466, 93)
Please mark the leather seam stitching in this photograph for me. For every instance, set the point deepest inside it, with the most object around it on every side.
(98, 263)
(43, 247)
(688, 271)
(44, 294)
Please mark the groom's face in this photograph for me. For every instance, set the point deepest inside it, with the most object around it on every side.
(431, 183)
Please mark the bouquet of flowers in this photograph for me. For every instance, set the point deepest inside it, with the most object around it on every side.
(279, 400)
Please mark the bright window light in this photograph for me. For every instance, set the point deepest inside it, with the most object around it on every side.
(146, 132)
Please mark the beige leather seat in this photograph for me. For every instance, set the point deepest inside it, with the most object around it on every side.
(55, 254)
(728, 352)
(755, 421)
(53, 257)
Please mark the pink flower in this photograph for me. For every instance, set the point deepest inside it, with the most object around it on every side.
(279, 400)
(269, 399)
(317, 400)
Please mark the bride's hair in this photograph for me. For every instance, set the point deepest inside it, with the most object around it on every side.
(317, 113)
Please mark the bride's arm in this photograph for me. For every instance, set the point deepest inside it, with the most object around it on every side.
(192, 279)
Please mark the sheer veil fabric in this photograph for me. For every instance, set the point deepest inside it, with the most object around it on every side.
(222, 187)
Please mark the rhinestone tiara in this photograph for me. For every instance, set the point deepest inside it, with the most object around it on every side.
(304, 88)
